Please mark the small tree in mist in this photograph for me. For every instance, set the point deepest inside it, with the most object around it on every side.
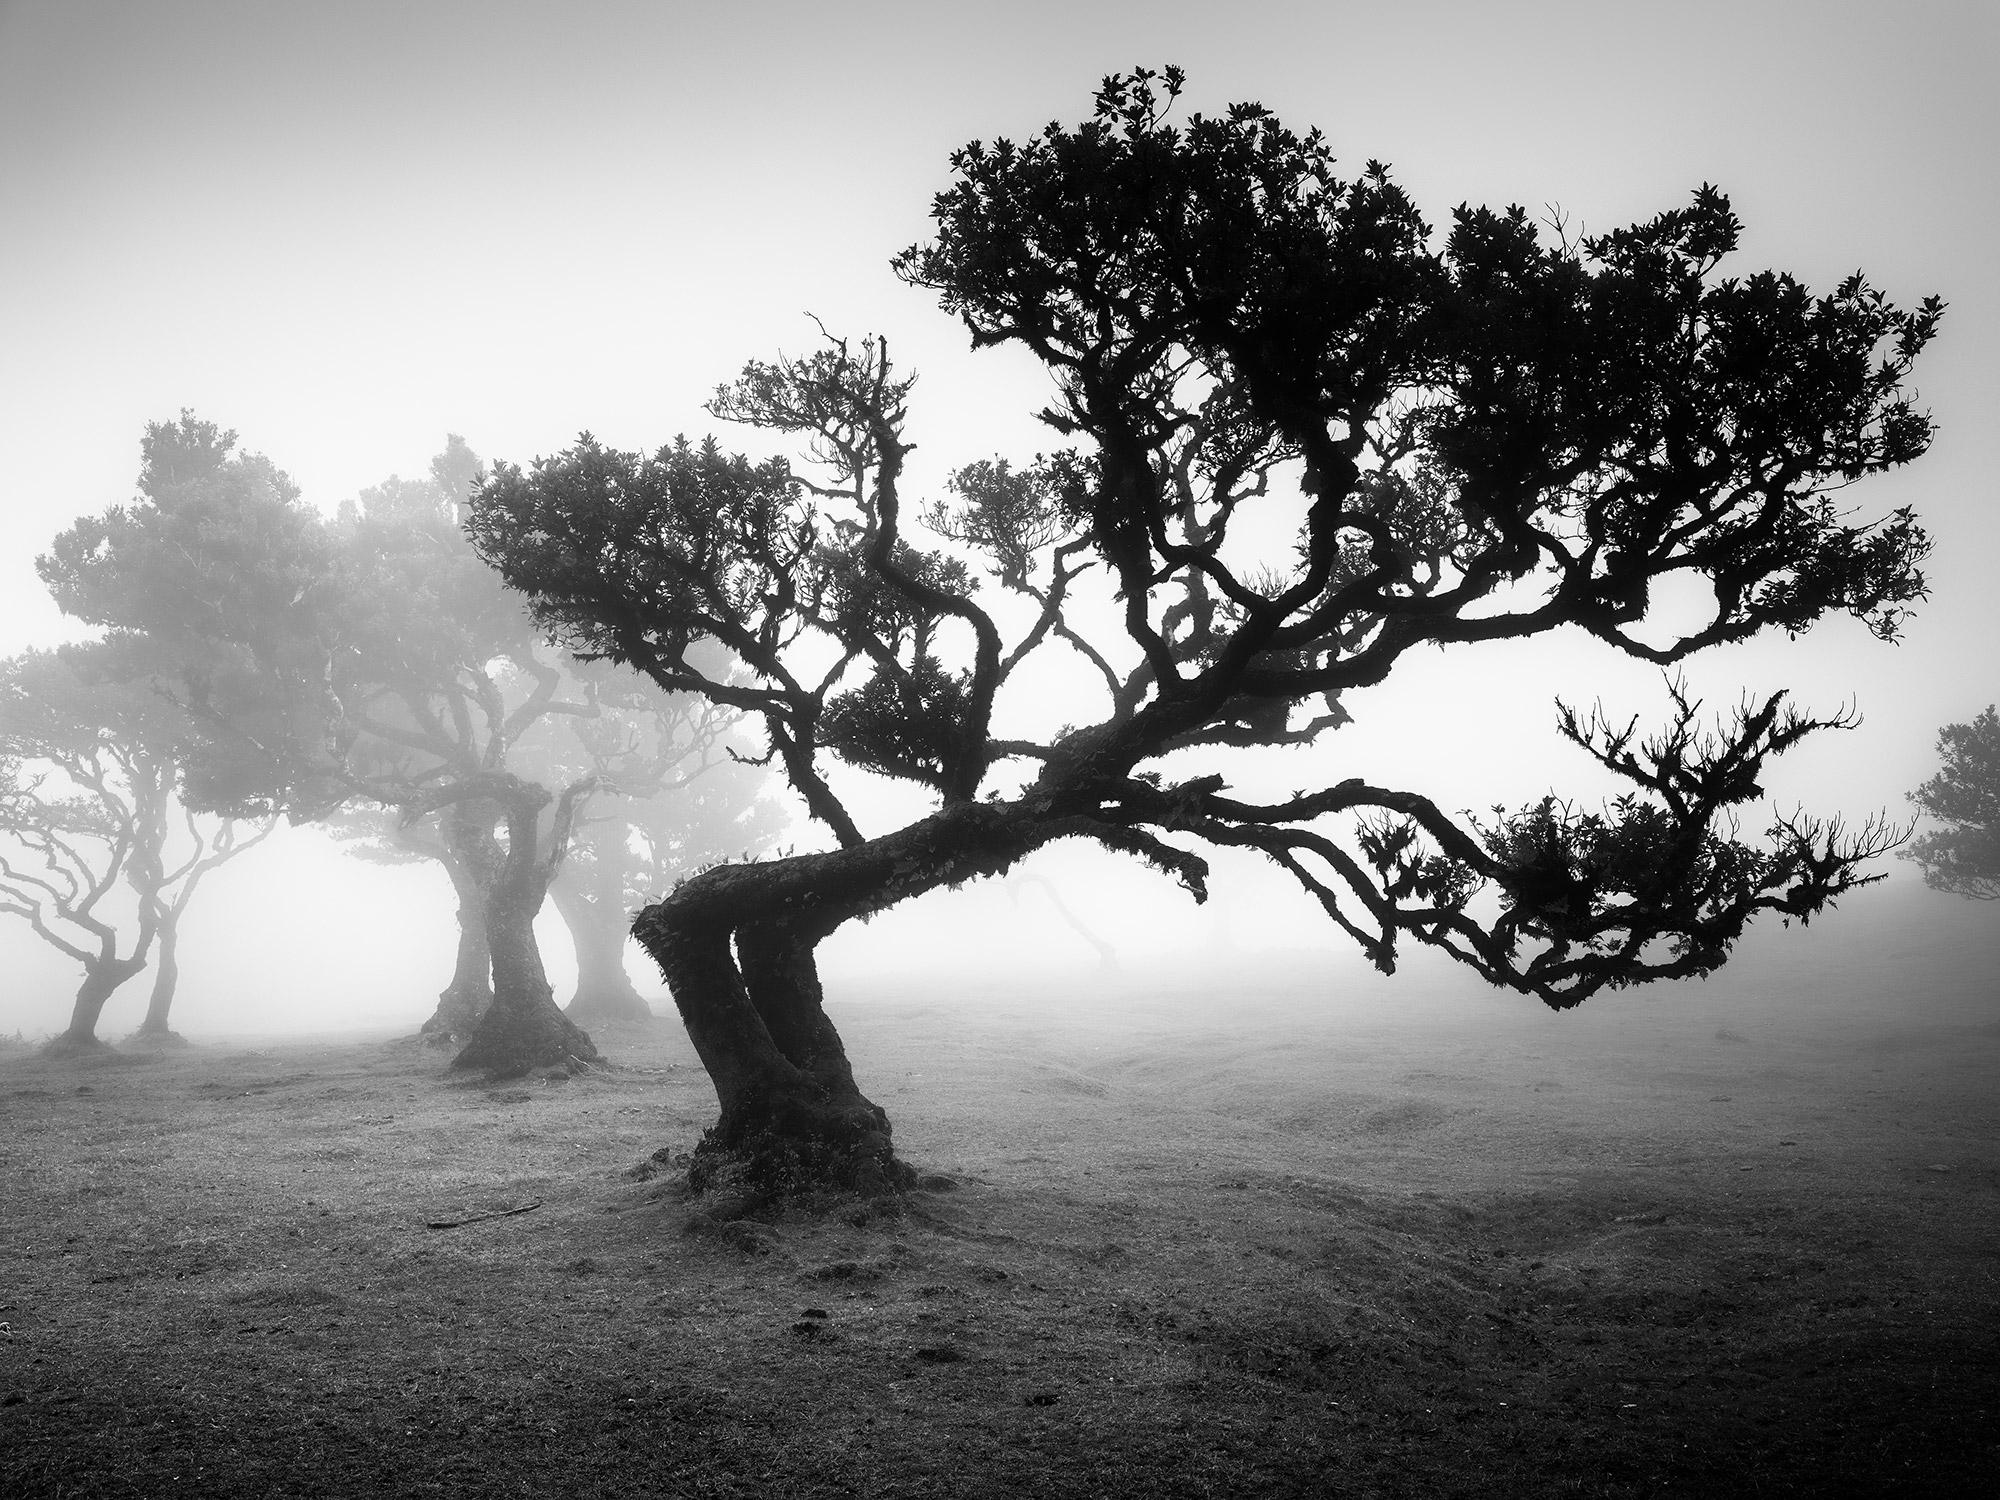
(1482, 436)
(88, 774)
(383, 836)
(670, 801)
(1963, 856)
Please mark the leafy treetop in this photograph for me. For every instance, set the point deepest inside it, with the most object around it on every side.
(1482, 437)
(1962, 854)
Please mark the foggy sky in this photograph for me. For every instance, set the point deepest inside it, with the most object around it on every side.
(347, 230)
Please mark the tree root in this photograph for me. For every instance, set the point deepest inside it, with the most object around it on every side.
(515, 1051)
(769, 1166)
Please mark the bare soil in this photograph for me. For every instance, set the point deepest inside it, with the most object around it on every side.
(1256, 1241)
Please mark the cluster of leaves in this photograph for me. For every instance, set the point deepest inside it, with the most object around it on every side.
(1963, 854)
(1488, 435)
(212, 586)
(1598, 414)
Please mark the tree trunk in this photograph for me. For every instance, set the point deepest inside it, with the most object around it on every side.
(464, 1000)
(100, 980)
(604, 991)
(791, 1116)
(154, 1030)
(522, 1028)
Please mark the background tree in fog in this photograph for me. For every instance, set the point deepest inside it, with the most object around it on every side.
(1963, 856)
(1480, 436)
(383, 836)
(371, 660)
(670, 800)
(88, 774)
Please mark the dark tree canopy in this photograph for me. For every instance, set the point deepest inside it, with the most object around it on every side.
(1962, 855)
(1483, 435)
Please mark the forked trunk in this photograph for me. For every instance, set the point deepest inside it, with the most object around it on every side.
(522, 1027)
(604, 991)
(791, 1115)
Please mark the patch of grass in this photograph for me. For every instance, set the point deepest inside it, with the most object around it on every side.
(1271, 1268)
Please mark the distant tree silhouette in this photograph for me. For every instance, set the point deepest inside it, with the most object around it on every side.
(369, 660)
(1485, 437)
(1963, 857)
(88, 773)
(1107, 956)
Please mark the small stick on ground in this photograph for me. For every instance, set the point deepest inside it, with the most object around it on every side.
(498, 1213)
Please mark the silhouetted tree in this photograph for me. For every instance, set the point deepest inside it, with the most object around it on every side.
(1963, 857)
(1482, 437)
(88, 771)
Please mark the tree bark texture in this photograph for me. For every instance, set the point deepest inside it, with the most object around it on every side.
(522, 1028)
(791, 1116)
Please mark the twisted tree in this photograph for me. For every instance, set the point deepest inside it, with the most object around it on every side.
(440, 677)
(1473, 437)
(1962, 854)
(88, 773)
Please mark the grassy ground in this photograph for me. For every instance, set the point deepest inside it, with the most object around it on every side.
(1261, 1243)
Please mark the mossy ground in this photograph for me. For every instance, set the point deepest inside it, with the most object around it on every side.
(1197, 1245)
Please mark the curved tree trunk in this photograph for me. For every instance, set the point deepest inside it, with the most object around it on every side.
(604, 991)
(462, 1002)
(791, 1114)
(210, 851)
(155, 1029)
(522, 1028)
(100, 980)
